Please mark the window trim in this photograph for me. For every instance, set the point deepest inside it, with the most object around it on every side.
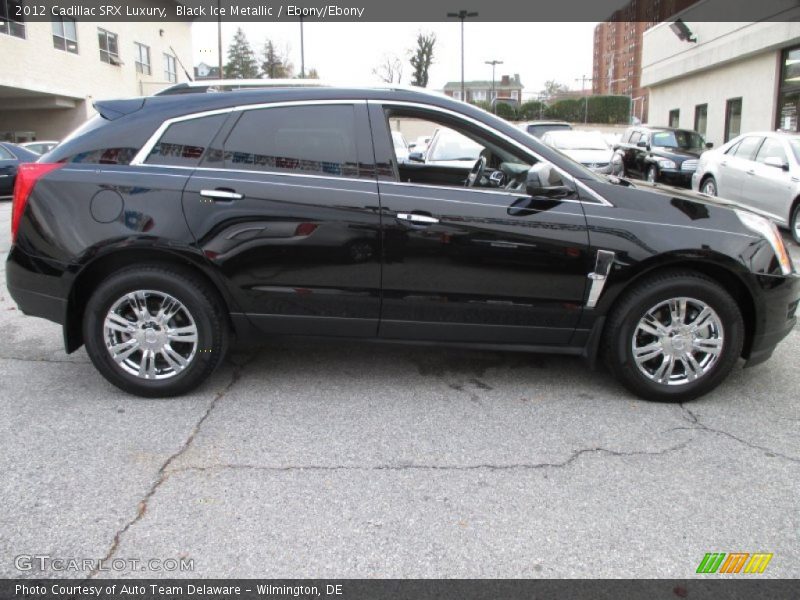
(697, 108)
(726, 133)
(63, 36)
(170, 76)
(107, 33)
(144, 152)
(7, 20)
(676, 112)
(139, 65)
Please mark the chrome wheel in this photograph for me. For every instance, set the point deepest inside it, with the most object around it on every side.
(709, 188)
(150, 334)
(677, 341)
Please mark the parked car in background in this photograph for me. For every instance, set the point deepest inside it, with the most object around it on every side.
(40, 147)
(450, 149)
(759, 170)
(586, 147)
(11, 156)
(659, 155)
(538, 128)
(420, 144)
(238, 216)
(400, 146)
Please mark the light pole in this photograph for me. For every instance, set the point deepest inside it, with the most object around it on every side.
(463, 15)
(494, 63)
(302, 52)
(219, 40)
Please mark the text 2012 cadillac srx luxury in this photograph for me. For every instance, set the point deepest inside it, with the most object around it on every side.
(169, 226)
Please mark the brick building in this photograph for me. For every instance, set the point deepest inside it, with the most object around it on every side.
(617, 61)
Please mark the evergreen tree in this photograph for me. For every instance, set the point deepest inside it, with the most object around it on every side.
(241, 59)
(274, 66)
(422, 59)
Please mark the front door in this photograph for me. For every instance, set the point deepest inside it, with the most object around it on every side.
(483, 263)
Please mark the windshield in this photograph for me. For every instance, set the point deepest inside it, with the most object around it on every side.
(684, 140)
(451, 145)
(569, 140)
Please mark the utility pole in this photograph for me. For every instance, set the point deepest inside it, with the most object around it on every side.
(302, 52)
(219, 40)
(494, 63)
(583, 81)
(463, 15)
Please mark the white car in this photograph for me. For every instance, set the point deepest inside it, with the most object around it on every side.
(758, 170)
(39, 146)
(400, 146)
(420, 144)
(450, 148)
(589, 148)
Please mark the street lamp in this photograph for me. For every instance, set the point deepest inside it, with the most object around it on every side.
(463, 15)
(494, 63)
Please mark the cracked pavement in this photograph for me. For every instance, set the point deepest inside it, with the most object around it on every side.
(331, 459)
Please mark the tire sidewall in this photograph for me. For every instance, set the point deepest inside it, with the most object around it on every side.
(712, 181)
(793, 223)
(699, 289)
(173, 284)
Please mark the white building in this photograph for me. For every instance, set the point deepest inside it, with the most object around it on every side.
(53, 72)
(736, 77)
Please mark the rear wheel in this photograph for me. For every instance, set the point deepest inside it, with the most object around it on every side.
(674, 337)
(652, 174)
(709, 187)
(155, 331)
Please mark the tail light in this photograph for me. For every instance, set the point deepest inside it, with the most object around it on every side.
(27, 176)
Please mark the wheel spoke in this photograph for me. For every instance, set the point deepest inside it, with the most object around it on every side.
(123, 350)
(711, 346)
(183, 334)
(649, 352)
(138, 302)
(119, 323)
(169, 308)
(677, 311)
(702, 320)
(664, 372)
(147, 365)
(650, 324)
(690, 366)
(175, 360)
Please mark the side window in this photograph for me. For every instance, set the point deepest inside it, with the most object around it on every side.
(732, 150)
(313, 140)
(747, 147)
(771, 148)
(5, 154)
(635, 136)
(184, 142)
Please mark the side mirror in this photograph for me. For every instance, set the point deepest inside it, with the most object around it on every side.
(709, 145)
(642, 144)
(544, 181)
(774, 161)
(416, 157)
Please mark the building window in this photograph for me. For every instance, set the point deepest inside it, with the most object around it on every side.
(170, 72)
(479, 95)
(675, 118)
(65, 36)
(701, 119)
(733, 118)
(786, 118)
(109, 47)
(142, 59)
(11, 23)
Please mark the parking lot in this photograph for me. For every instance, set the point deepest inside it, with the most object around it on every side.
(312, 459)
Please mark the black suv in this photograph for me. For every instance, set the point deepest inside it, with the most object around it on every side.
(659, 154)
(167, 227)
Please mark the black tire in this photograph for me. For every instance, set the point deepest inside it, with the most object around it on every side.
(794, 224)
(652, 174)
(709, 186)
(201, 303)
(623, 323)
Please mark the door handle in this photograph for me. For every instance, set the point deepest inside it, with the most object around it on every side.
(751, 172)
(724, 163)
(418, 219)
(221, 194)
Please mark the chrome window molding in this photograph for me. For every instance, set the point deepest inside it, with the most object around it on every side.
(144, 152)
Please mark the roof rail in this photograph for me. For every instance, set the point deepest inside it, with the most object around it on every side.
(227, 85)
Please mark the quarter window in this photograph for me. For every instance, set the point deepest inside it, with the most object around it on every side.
(109, 46)
(65, 36)
(142, 58)
(771, 148)
(170, 72)
(314, 140)
(10, 22)
(184, 143)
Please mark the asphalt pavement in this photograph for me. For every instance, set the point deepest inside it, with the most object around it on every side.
(331, 459)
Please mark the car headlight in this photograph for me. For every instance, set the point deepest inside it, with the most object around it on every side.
(665, 163)
(768, 230)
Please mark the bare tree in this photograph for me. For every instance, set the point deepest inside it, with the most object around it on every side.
(390, 70)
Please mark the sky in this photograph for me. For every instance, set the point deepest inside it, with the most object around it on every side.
(348, 52)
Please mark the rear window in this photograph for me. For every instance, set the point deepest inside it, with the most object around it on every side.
(314, 140)
(184, 143)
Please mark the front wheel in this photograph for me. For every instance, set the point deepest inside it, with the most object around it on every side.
(652, 174)
(674, 337)
(794, 224)
(709, 187)
(155, 331)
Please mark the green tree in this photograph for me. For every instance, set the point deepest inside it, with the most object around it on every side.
(241, 59)
(273, 64)
(506, 111)
(422, 58)
(532, 109)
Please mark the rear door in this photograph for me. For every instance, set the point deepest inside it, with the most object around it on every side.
(470, 264)
(769, 187)
(285, 204)
(733, 168)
